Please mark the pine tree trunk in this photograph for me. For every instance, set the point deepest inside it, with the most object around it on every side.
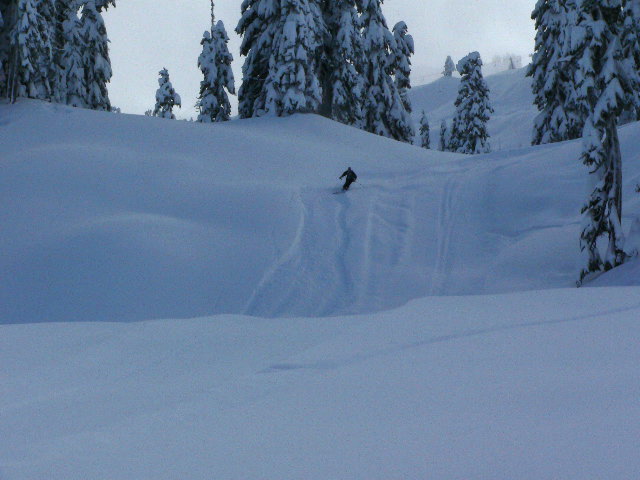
(326, 107)
(615, 252)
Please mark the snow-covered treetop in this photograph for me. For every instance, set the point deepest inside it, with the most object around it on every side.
(465, 64)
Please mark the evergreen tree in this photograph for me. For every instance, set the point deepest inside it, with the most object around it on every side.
(444, 137)
(31, 51)
(384, 113)
(4, 45)
(58, 74)
(293, 84)
(95, 58)
(630, 41)
(257, 26)
(401, 120)
(424, 131)
(104, 4)
(215, 63)
(552, 72)
(469, 130)
(402, 53)
(166, 97)
(340, 79)
(449, 67)
(72, 85)
(604, 77)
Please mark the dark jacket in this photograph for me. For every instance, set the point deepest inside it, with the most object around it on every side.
(350, 174)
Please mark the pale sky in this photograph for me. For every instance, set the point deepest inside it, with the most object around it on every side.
(147, 35)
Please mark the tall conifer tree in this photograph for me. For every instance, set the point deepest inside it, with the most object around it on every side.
(552, 72)
(32, 53)
(382, 106)
(257, 25)
(604, 78)
(71, 61)
(293, 83)
(340, 78)
(215, 63)
(95, 59)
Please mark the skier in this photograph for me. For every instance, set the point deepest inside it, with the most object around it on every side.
(350, 178)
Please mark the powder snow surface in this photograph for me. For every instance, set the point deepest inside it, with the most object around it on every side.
(192, 301)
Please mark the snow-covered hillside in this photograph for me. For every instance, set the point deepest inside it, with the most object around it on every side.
(422, 325)
(121, 217)
(511, 124)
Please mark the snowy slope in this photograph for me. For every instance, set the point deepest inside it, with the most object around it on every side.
(179, 220)
(415, 327)
(510, 94)
(542, 385)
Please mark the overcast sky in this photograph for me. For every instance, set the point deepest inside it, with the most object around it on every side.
(147, 35)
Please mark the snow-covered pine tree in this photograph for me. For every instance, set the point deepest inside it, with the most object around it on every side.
(166, 97)
(4, 45)
(47, 9)
(95, 58)
(402, 59)
(552, 70)
(105, 4)
(384, 113)
(293, 83)
(425, 141)
(443, 145)
(257, 26)
(339, 69)
(215, 63)
(469, 129)
(449, 67)
(31, 53)
(71, 60)
(630, 40)
(604, 76)
(58, 75)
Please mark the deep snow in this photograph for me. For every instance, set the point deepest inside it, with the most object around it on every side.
(536, 385)
(176, 220)
(423, 325)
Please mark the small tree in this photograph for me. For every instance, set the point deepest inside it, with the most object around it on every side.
(449, 67)
(424, 131)
(444, 137)
(469, 131)
(166, 97)
(215, 64)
